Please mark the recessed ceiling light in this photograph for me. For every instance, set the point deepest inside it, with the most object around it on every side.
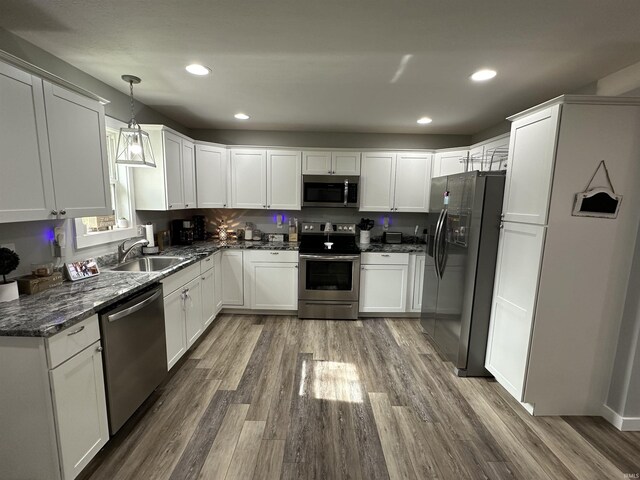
(241, 116)
(196, 69)
(483, 75)
(424, 120)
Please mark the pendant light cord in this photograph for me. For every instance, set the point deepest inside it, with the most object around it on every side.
(133, 120)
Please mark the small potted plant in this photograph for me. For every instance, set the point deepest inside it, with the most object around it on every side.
(9, 261)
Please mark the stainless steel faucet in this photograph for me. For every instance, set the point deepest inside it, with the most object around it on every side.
(123, 252)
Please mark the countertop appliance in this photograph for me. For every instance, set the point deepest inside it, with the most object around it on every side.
(330, 191)
(464, 226)
(329, 274)
(391, 237)
(181, 232)
(134, 353)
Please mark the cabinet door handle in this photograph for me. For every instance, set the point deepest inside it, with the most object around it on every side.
(186, 204)
(63, 212)
(170, 206)
(386, 255)
(329, 172)
(203, 278)
(99, 349)
(54, 212)
(76, 331)
(264, 206)
(224, 205)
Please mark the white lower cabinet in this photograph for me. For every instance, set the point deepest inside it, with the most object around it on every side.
(272, 279)
(383, 282)
(232, 274)
(217, 276)
(53, 417)
(208, 286)
(193, 310)
(80, 409)
(416, 281)
(175, 328)
(512, 310)
(183, 317)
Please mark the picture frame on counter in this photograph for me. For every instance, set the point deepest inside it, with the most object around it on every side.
(82, 269)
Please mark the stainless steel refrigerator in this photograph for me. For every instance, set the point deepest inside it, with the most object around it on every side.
(464, 225)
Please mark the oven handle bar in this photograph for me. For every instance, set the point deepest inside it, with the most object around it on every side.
(330, 257)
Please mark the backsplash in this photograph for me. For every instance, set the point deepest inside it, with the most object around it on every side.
(32, 239)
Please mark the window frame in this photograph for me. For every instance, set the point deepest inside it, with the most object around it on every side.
(85, 240)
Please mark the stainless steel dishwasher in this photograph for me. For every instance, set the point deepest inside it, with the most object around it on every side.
(134, 353)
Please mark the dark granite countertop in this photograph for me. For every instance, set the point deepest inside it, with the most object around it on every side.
(47, 313)
(375, 247)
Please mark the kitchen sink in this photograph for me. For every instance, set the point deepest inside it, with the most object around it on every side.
(148, 264)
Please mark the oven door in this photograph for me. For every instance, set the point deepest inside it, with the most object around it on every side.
(329, 277)
(329, 191)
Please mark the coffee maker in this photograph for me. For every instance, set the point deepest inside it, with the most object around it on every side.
(199, 230)
(181, 232)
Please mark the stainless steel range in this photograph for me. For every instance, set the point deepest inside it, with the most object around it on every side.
(329, 277)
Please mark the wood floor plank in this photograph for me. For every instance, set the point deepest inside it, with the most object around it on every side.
(253, 367)
(233, 371)
(194, 455)
(299, 439)
(217, 462)
(410, 428)
(395, 451)
(269, 463)
(621, 448)
(245, 456)
(264, 387)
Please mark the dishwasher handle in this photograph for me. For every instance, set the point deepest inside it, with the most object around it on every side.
(138, 306)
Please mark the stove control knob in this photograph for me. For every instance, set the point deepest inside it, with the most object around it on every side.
(310, 227)
(350, 229)
(306, 227)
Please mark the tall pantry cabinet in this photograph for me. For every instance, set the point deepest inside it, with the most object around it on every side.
(561, 279)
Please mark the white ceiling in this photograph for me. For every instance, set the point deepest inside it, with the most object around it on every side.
(333, 65)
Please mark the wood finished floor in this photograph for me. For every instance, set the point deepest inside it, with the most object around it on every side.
(273, 397)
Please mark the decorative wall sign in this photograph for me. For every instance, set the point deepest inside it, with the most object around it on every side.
(82, 269)
(602, 202)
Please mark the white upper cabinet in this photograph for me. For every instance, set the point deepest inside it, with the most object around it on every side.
(345, 163)
(413, 182)
(529, 174)
(316, 163)
(395, 182)
(266, 179)
(284, 186)
(248, 178)
(449, 162)
(377, 181)
(172, 184)
(77, 142)
(173, 171)
(50, 138)
(330, 163)
(25, 149)
(189, 173)
(212, 174)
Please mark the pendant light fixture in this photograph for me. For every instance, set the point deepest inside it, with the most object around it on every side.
(134, 146)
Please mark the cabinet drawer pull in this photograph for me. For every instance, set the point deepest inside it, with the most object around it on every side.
(54, 212)
(63, 212)
(386, 255)
(186, 204)
(274, 253)
(76, 331)
(208, 259)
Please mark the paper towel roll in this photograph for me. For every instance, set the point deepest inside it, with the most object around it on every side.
(148, 234)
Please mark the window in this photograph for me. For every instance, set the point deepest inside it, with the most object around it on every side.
(121, 224)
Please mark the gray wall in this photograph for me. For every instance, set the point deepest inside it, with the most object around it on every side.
(624, 392)
(493, 131)
(330, 140)
(119, 106)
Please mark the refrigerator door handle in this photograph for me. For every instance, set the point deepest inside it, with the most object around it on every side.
(443, 244)
(436, 239)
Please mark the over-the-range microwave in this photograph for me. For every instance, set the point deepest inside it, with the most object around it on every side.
(329, 191)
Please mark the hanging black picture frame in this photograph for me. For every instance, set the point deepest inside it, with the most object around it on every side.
(600, 202)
